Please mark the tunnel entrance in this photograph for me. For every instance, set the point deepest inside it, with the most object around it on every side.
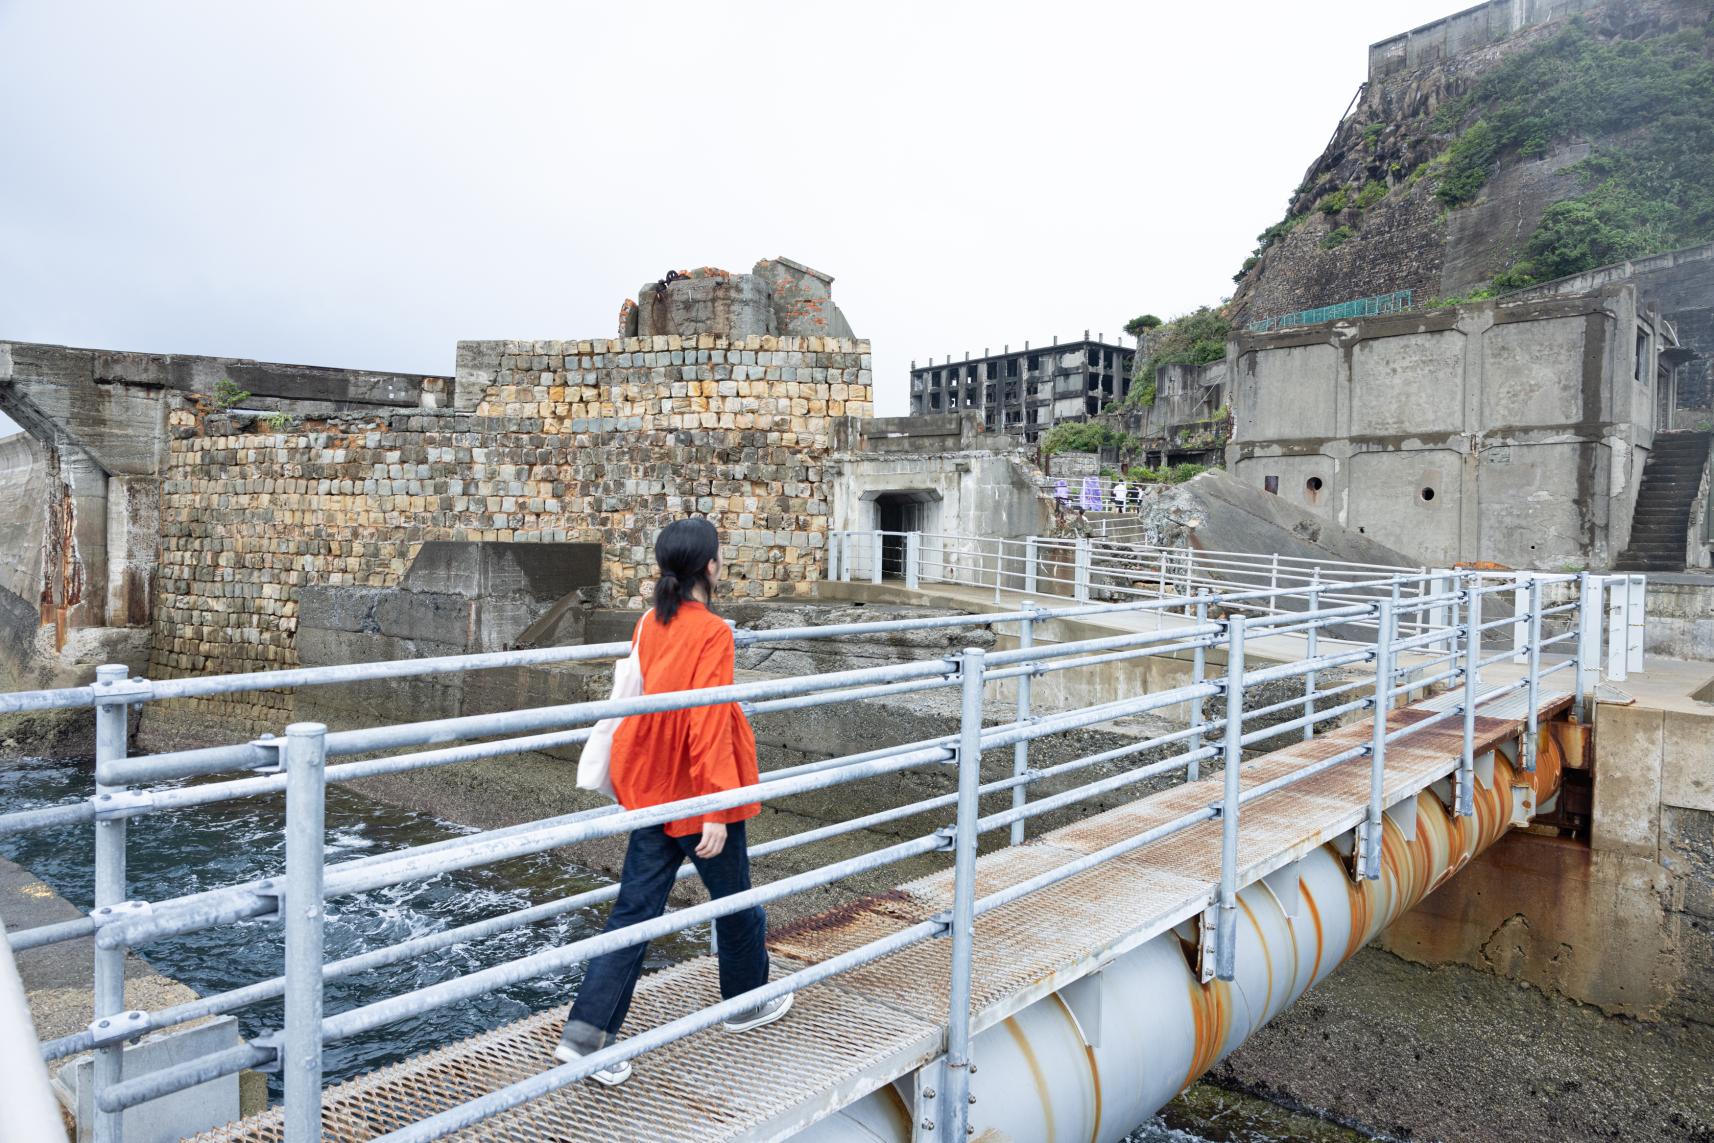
(897, 511)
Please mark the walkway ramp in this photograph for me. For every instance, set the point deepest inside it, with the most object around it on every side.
(868, 1027)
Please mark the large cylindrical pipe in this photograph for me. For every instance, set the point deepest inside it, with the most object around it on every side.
(1098, 1058)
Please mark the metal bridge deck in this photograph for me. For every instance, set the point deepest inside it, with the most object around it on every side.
(861, 1030)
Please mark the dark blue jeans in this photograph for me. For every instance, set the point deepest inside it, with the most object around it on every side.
(651, 861)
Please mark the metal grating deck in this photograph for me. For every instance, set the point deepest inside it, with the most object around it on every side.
(850, 1036)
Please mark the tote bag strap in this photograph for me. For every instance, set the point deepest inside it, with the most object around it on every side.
(637, 636)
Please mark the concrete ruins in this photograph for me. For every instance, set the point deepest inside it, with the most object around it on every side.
(1026, 392)
(777, 297)
(188, 515)
(1506, 432)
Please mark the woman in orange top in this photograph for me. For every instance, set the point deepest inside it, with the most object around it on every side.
(665, 757)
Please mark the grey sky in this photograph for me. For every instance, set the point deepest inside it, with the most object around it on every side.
(363, 184)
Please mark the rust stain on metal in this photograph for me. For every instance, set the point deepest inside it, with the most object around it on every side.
(1043, 1089)
(1308, 900)
(1576, 742)
(63, 582)
(1211, 1011)
(1267, 954)
(844, 916)
(1094, 1068)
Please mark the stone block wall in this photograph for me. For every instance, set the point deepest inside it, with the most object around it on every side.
(602, 441)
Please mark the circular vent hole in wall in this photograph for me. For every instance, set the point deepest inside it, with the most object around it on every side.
(1313, 484)
(1427, 494)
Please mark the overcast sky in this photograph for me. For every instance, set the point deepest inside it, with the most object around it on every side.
(363, 184)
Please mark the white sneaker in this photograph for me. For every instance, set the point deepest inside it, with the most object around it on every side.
(612, 1076)
(756, 1017)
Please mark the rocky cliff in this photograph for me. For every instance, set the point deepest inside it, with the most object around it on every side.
(1539, 151)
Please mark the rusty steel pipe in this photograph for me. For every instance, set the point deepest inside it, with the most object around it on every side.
(1097, 1058)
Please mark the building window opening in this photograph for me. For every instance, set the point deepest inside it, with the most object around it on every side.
(1427, 494)
(1271, 484)
(1642, 373)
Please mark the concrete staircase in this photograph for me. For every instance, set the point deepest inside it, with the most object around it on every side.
(1661, 525)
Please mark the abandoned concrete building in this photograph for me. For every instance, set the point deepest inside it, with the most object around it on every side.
(1027, 391)
(1516, 431)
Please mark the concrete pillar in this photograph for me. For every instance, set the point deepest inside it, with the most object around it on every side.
(133, 533)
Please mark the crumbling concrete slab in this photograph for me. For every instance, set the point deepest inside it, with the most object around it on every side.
(1215, 512)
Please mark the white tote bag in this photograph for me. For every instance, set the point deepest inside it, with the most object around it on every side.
(594, 764)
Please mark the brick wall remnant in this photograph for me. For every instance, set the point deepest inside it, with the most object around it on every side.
(569, 441)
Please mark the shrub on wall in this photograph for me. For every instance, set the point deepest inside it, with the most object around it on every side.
(1081, 436)
(1194, 339)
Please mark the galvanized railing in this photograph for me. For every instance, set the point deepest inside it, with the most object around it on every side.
(1128, 567)
(1397, 663)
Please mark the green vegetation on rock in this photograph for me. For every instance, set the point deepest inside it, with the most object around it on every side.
(1653, 191)
(227, 393)
(1194, 339)
(1337, 237)
(1082, 436)
(1177, 474)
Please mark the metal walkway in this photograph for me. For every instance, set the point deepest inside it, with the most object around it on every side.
(854, 1034)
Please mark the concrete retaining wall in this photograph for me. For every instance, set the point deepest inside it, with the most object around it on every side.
(1680, 617)
(1510, 433)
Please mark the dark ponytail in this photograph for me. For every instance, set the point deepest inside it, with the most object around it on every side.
(683, 551)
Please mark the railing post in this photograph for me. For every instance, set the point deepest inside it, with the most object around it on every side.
(833, 557)
(1198, 674)
(1080, 571)
(1310, 644)
(1438, 617)
(1369, 833)
(1189, 570)
(1021, 751)
(1029, 565)
(999, 566)
(1274, 584)
(956, 1109)
(1226, 921)
(1520, 618)
(875, 557)
(1533, 715)
(306, 786)
(913, 560)
(1162, 591)
(111, 731)
(1618, 627)
(1636, 621)
(1588, 669)
(1464, 799)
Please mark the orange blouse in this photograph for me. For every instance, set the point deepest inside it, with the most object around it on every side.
(674, 754)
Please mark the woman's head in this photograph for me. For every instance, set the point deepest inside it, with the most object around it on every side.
(688, 555)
